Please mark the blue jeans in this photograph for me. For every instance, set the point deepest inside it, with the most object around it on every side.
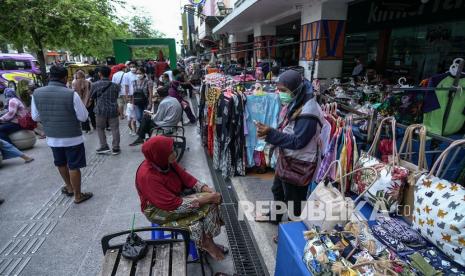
(8, 150)
(139, 110)
(6, 129)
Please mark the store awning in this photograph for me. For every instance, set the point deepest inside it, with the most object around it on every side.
(252, 12)
(53, 54)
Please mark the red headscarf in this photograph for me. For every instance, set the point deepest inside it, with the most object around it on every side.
(158, 182)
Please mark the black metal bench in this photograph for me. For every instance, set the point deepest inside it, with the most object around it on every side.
(175, 132)
(164, 257)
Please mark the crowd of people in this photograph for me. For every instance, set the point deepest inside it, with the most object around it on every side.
(99, 100)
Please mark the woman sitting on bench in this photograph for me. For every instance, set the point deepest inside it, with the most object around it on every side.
(160, 182)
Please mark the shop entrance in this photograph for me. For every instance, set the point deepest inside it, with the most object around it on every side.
(123, 48)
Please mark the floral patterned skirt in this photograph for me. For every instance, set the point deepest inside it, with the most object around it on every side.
(206, 219)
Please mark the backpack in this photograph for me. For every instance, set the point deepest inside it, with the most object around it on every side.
(140, 98)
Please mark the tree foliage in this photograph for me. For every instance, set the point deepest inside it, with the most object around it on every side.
(83, 27)
(141, 27)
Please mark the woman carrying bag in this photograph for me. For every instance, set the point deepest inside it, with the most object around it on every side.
(142, 97)
(298, 144)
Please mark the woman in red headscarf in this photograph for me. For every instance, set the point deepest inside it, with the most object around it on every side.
(160, 182)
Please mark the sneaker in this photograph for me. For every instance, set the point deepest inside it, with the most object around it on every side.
(103, 150)
(137, 142)
(115, 151)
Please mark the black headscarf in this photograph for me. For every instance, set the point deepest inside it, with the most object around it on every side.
(293, 81)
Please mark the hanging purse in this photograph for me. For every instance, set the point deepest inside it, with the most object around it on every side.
(440, 210)
(386, 192)
(294, 171)
(415, 170)
(337, 208)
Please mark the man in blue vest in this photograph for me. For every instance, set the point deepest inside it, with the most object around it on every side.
(61, 112)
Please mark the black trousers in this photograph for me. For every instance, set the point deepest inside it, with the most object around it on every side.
(145, 126)
(290, 194)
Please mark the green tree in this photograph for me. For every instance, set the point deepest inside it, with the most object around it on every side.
(84, 26)
(141, 27)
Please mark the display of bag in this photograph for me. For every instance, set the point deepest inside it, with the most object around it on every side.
(386, 192)
(440, 210)
(415, 169)
(325, 194)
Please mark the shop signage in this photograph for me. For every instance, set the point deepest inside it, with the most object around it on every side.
(374, 15)
(197, 2)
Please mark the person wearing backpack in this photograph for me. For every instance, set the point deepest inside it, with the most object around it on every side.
(297, 140)
(142, 97)
(105, 95)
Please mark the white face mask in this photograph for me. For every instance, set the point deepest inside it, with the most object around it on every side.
(133, 70)
(140, 76)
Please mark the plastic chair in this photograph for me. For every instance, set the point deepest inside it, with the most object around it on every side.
(160, 235)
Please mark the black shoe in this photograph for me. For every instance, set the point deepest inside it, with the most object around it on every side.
(137, 142)
(1, 201)
(108, 129)
(115, 151)
(103, 150)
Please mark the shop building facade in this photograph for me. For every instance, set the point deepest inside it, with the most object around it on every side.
(397, 38)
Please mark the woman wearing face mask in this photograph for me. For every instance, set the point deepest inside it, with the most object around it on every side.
(297, 139)
(160, 182)
(142, 97)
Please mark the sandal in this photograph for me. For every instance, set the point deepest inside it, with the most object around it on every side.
(275, 239)
(84, 197)
(29, 160)
(65, 191)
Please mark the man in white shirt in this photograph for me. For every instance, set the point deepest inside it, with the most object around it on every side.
(61, 112)
(128, 80)
(118, 78)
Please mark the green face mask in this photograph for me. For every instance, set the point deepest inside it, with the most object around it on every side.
(286, 98)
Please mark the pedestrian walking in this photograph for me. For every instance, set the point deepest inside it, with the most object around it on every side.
(142, 97)
(83, 87)
(118, 78)
(105, 95)
(61, 112)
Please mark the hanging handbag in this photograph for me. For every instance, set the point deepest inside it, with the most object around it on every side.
(386, 192)
(294, 171)
(440, 210)
(337, 208)
(415, 169)
(26, 122)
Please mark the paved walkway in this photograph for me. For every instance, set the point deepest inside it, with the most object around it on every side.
(43, 233)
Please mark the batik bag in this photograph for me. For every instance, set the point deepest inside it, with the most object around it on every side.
(440, 210)
(386, 192)
(337, 208)
(415, 169)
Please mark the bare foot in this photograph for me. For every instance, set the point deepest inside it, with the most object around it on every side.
(213, 250)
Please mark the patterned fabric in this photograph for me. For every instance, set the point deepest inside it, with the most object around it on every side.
(440, 215)
(206, 219)
(106, 94)
(391, 241)
(440, 262)
(386, 191)
(16, 109)
(406, 107)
